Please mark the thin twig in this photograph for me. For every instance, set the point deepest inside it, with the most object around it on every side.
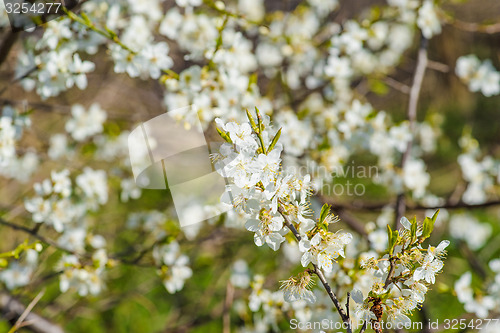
(412, 117)
(473, 261)
(472, 27)
(363, 328)
(226, 316)
(401, 87)
(392, 268)
(6, 45)
(34, 234)
(27, 311)
(379, 206)
(345, 318)
(347, 304)
(11, 308)
(352, 222)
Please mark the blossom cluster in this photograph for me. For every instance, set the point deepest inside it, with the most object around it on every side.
(479, 76)
(272, 201)
(403, 276)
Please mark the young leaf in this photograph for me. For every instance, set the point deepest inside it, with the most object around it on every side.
(274, 141)
(325, 210)
(429, 225)
(224, 135)
(394, 241)
(252, 122)
(259, 121)
(414, 227)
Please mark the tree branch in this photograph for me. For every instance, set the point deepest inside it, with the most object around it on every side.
(12, 309)
(7, 44)
(418, 78)
(447, 205)
(35, 234)
(345, 318)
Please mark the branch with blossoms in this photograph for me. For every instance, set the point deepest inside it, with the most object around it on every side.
(405, 274)
(276, 203)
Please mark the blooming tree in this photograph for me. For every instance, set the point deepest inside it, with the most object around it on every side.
(342, 132)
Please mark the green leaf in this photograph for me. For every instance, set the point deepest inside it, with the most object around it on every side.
(414, 226)
(389, 233)
(259, 121)
(394, 241)
(429, 225)
(275, 140)
(224, 135)
(252, 122)
(393, 237)
(325, 210)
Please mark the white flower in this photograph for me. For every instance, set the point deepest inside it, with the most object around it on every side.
(478, 76)
(378, 239)
(400, 136)
(171, 22)
(439, 251)
(481, 306)
(39, 207)
(7, 140)
(267, 231)
(357, 296)
(296, 288)
(84, 124)
(176, 269)
(415, 178)
(429, 268)
(463, 289)
(125, 61)
(188, 3)
(398, 319)
(58, 146)
(338, 67)
(93, 183)
(241, 135)
(322, 251)
(16, 275)
(428, 20)
(62, 183)
(460, 227)
(240, 276)
(78, 70)
(417, 290)
(86, 280)
(130, 190)
(73, 239)
(154, 58)
(266, 166)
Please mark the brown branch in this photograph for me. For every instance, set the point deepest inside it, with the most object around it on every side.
(447, 205)
(352, 222)
(226, 316)
(473, 27)
(363, 328)
(392, 268)
(7, 44)
(473, 261)
(34, 233)
(418, 78)
(401, 87)
(13, 309)
(345, 318)
(26, 312)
